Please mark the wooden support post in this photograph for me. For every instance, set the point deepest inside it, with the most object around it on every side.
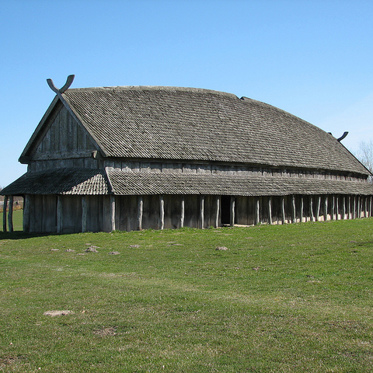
(217, 212)
(140, 207)
(283, 216)
(301, 208)
(59, 215)
(202, 211)
(233, 208)
(182, 213)
(370, 206)
(318, 208)
(161, 212)
(257, 210)
(359, 207)
(112, 212)
(337, 208)
(344, 207)
(26, 213)
(354, 209)
(366, 207)
(293, 210)
(333, 209)
(349, 208)
(10, 214)
(312, 216)
(84, 214)
(270, 210)
(4, 213)
(326, 208)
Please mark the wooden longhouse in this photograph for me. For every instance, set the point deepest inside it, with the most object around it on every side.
(127, 158)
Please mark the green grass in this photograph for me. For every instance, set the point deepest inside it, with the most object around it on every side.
(293, 298)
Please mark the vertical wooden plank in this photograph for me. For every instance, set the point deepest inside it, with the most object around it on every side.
(326, 208)
(358, 207)
(370, 206)
(336, 208)
(312, 216)
(318, 208)
(233, 209)
(26, 213)
(10, 214)
(140, 208)
(59, 214)
(4, 213)
(202, 210)
(293, 209)
(161, 212)
(366, 206)
(182, 214)
(283, 216)
(112, 212)
(354, 208)
(301, 208)
(257, 210)
(349, 208)
(333, 209)
(344, 207)
(270, 211)
(84, 214)
(217, 211)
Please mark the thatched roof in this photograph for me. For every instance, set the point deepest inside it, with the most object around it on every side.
(203, 125)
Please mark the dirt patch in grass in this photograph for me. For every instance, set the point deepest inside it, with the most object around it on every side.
(58, 313)
(106, 332)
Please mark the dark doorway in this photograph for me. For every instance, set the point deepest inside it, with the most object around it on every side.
(225, 210)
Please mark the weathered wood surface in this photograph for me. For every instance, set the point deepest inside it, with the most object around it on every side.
(233, 211)
(161, 208)
(140, 212)
(112, 213)
(5, 206)
(182, 213)
(84, 214)
(270, 221)
(26, 213)
(10, 214)
(202, 211)
(218, 203)
(283, 214)
(59, 215)
(257, 211)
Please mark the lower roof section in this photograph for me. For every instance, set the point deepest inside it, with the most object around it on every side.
(60, 181)
(99, 182)
(130, 183)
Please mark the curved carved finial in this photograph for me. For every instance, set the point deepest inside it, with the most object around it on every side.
(343, 136)
(67, 85)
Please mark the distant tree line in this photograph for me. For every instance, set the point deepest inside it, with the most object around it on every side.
(365, 155)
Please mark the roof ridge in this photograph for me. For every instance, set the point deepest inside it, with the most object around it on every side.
(153, 88)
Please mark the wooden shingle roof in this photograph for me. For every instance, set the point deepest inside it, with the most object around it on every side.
(98, 182)
(203, 125)
(62, 181)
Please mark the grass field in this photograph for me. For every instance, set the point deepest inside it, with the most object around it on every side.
(293, 298)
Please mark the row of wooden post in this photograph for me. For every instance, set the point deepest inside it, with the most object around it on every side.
(351, 213)
(352, 209)
(356, 211)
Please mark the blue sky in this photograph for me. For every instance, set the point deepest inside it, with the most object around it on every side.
(312, 58)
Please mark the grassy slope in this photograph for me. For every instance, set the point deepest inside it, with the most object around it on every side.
(294, 298)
